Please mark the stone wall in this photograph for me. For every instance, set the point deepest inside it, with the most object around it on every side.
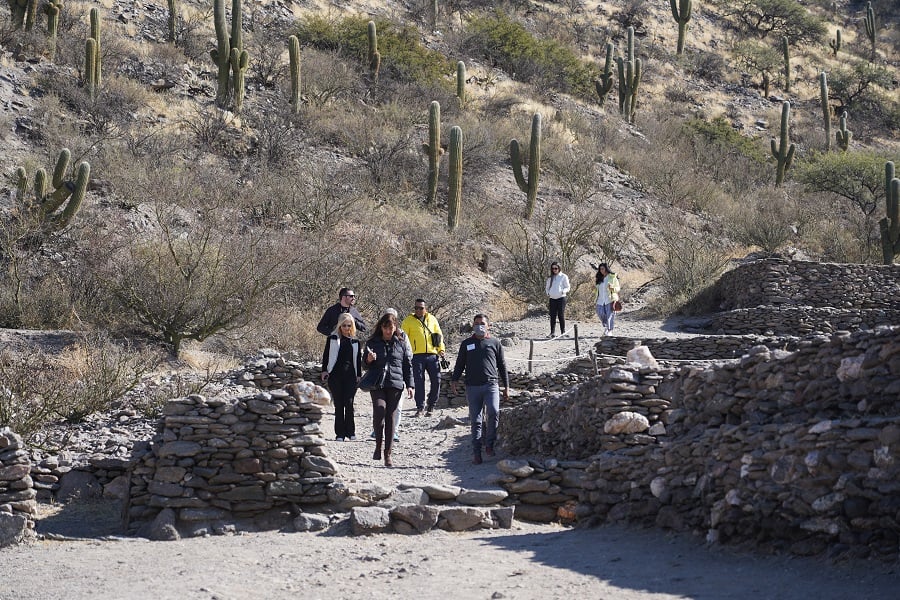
(796, 451)
(17, 495)
(251, 459)
(698, 348)
(799, 320)
(778, 282)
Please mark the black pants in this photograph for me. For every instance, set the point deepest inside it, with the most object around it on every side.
(557, 309)
(384, 409)
(343, 389)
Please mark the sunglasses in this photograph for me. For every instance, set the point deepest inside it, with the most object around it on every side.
(350, 295)
(347, 325)
(419, 307)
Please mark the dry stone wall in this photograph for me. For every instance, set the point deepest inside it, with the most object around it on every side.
(17, 495)
(796, 451)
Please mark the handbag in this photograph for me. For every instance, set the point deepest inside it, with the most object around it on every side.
(373, 379)
(617, 306)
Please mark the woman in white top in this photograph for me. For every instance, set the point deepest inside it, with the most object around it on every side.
(557, 287)
(607, 292)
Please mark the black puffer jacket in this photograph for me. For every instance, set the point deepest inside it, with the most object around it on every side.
(399, 360)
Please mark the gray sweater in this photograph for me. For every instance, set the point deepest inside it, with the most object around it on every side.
(482, 360)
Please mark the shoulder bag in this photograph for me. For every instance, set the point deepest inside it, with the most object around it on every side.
(373, 379)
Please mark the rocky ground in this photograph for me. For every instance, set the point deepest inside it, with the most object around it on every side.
(529, 561)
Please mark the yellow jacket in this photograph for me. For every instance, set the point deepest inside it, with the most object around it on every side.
(420, 335)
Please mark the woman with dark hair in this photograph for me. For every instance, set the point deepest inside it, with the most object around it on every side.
(341, 369)
(557, 287)
(387, 350)
(607, 292)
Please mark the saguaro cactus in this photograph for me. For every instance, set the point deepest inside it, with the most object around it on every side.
(826, 109)
(433, 150)
(835, 43)
(461, 82)
(681, 12)
(229, 54)
(843, 135)
(294, 67)
(530, 185)
(786, 53)
(890, 224)
(629, 78)
(95, 35)
(454, 178)
(91, 77)
(784, 151)
(52, 9)
(19, 10)
(172, 21)
(45, 205)
(374, 54)
(604, 84)
(871, 31)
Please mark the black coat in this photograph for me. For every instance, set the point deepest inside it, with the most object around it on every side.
(398, 358)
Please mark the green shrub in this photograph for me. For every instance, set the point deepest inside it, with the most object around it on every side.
(507, 43)
(776, 17)
(403, 56)
(855, 176)
(724, 141)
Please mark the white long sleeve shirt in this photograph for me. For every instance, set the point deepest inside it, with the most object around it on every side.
(557, 286)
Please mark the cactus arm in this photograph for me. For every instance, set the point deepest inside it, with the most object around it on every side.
(604, 84)
(786, 52)
(454, 176)
(515, 156)
(62, 165)
(843, 135)
(90, 65)
(95, 34)
(835, 43)
(374, 54)
(21, 183)
(783, 152)
(77, 191)
(681, 12)
(461, 82)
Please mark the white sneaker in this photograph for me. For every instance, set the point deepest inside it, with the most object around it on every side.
(352, 438)
(339, 439)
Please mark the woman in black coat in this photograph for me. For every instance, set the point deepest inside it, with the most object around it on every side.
(386, 350)
(341, 370)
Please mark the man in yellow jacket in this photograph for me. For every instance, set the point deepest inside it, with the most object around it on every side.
(427, 341)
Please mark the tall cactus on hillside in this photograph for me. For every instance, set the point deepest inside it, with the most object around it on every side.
(95, 35)
(45, 205)
(826, 109)
(229, 55)
(890, 224)
(843, 135)
(461, 82)
(294, 68)
(19, 10)
(433, 150)
(529, 185)
(835, 43)
(454, 178)
(786, 55)
(871, 31)
(52, 9)
(91, 60)
(374, 54)
(629, 78)
(172, 21)
(681, 12)
(784, 151)
(604, 83)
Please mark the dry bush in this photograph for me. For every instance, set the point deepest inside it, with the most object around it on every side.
(769, 218)
(86, 378)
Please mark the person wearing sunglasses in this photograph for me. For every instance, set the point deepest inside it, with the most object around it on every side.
(557, 287)
(427, 341)
(341, 370)
(345, 304)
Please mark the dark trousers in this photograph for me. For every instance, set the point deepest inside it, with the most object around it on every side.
(343, 390)
(420, 364)
(384, 408)
(557, 309)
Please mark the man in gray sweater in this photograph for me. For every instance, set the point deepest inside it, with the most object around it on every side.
(481, 357)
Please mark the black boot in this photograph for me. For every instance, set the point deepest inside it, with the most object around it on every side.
(387, 458)
(377, 454)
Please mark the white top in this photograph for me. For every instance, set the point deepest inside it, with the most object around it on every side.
(557, 286)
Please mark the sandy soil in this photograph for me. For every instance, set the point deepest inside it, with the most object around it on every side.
(529, 561)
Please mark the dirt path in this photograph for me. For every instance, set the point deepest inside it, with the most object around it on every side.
(529, 561)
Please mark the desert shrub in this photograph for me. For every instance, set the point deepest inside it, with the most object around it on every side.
(633, 14)
(768, 219)
(856, 176)
(852, 238)
(706, 65)
(759, 60)
(691, 261)
(325, 78)
(507, 43)
(719, 141)
(277, 130)
(86, 378)
(776, 17)
(403, 56)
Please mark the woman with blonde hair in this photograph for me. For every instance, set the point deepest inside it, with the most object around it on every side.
(341, 369)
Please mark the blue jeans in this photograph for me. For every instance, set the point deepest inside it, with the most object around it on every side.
(480, 397)
(420, 364)
(607, 315)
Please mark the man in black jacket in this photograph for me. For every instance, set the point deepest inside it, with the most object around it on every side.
(481, 357)
(345, 304)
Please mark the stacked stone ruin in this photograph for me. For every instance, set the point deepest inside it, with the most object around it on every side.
(17, 495)
(793, 448)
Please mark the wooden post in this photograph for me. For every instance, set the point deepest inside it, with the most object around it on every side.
(575, 328)
(594, 362)
(530, 353)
